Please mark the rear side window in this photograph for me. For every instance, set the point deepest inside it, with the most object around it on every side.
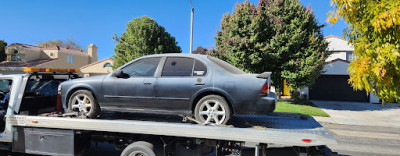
(199, 69)
(225, 65)
(145, 67)
(178, 66)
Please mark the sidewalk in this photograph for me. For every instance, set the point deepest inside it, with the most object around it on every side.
(360, 113)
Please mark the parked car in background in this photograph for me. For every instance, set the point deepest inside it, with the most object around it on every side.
(208, 88)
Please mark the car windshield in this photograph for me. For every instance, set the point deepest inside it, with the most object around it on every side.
(225, 65)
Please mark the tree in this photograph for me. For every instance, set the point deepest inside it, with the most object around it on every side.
(374, 30)
(69, 43)
(3, 46)
(278, 36)
(200, 50)
(143, 36)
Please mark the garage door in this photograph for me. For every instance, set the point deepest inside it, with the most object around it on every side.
(335, 88)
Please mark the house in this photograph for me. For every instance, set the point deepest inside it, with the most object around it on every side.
(23, 55)
(101, 67)
(333, 84)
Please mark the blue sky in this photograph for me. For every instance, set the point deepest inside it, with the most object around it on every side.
(96, 21)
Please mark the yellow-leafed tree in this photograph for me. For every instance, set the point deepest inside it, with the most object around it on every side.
(374, 30)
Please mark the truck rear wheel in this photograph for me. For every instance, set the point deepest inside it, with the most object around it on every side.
(140, 148)
(83, 102)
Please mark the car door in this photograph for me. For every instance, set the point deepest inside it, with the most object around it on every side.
(177, 83)
(135, 92)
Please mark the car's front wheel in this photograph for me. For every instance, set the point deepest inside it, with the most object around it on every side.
(212, 109)
(83, 102)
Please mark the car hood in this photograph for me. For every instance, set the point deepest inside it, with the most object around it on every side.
(86, 79)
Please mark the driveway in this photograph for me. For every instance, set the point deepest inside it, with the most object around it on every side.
(360, 113)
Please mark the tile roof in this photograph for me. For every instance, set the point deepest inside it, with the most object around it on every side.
(335, 60)
(25, 64)
(25, 46)
(65, 49)
(51, 48)
(97, 62)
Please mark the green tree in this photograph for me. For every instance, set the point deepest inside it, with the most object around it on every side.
(374, 30)
(3, 55)
(143, 36)
(69, 43)
(278, 36)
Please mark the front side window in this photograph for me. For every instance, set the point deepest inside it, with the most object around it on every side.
(16, 56)
(142, 68)
(178, 66)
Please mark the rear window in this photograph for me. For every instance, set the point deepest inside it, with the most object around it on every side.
(225, 65)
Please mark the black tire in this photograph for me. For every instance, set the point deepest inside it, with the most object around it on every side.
(212, 99)
(139, 148)
(94, 109)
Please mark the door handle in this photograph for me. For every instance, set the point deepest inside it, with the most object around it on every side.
(199, 84)
(147, 83)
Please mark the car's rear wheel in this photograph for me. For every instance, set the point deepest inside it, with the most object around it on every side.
(84, 103)
(212, 109)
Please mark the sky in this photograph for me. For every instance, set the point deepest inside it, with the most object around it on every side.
(96, 21)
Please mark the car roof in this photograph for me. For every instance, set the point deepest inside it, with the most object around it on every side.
(199, 56)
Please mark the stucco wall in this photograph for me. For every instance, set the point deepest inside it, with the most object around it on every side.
(49, 53)
(31, 55)
(97, 69)
(62, 61)
(25, 53)
(336, 55)
(336, 44)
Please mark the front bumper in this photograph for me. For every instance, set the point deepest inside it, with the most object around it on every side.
(266, 104)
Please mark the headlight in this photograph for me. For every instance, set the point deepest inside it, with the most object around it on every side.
(59, 89)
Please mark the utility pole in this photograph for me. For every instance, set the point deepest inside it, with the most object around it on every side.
(191, 28)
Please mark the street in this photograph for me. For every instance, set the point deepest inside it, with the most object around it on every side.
(364, 140)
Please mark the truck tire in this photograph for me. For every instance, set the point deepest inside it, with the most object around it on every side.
(140, 148)
(83, 102)
(212, 109)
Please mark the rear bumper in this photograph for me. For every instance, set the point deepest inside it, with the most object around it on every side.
(266, 104)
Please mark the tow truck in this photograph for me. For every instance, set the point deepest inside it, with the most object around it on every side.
(36, 123)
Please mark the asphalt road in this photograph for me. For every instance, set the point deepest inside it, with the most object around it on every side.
(364, 140)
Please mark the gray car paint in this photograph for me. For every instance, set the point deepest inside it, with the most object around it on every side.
(174, 95)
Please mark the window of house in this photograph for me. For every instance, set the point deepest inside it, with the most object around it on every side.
(349, 56)
(178, 66)
(51, 54)
(107, 65)
(16, 56)
(70, 59)
(144, 68)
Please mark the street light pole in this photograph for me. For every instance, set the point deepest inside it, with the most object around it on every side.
(191, 27)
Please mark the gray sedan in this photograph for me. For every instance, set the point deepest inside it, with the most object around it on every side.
(206, 87)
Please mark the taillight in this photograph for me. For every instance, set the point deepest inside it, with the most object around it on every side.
(265, 89)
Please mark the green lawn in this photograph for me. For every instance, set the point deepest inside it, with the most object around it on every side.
(307, 108)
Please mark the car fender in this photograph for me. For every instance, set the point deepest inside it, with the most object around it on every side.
(212, 89)
(74, 87)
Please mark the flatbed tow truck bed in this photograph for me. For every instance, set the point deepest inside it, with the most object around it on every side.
(280, 129)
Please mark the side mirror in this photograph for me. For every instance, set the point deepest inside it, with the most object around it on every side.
(120, 74)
